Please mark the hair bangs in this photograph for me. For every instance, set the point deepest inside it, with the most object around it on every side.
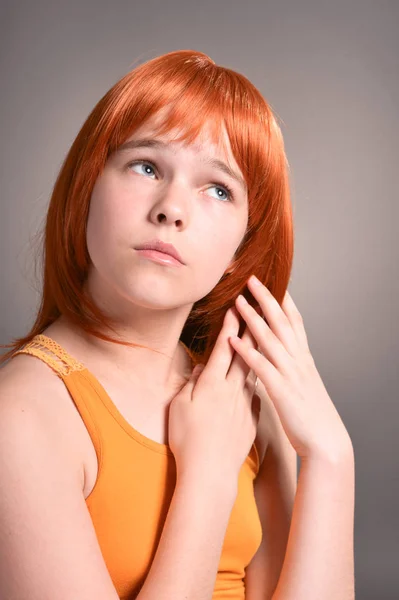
(185, 104)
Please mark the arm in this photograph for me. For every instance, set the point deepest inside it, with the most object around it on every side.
(275, 489)
(48, 545)
(188, 554)
(319, 561)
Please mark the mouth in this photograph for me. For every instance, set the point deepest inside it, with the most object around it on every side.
(159, 257)
(161, 248)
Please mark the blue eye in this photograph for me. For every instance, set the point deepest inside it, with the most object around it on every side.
(225, 188)
(142, 162)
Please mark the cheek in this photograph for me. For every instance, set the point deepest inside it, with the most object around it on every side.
(216, 251)
(106, 222)
(224, 241)
(110, 211)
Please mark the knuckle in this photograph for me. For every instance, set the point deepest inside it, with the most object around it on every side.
(297, 317)
(280, 319)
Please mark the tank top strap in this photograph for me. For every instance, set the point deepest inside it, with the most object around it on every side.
(49, 351)
(57, 357)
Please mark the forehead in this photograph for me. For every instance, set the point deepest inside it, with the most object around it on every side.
(203, 143)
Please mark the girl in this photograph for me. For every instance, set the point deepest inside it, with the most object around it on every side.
(126, 472)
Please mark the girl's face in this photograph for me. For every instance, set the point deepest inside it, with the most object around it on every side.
(170, 192)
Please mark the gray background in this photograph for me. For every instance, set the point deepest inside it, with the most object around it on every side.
(330, 72)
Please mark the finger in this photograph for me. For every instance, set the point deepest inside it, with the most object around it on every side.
(191, 383)
(222, 353)
(239, 370)
(269, 344)
(252, 380)
(275, 317)
(295, 318)
(267, 373)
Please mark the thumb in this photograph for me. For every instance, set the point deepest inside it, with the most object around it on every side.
(191, 382)
(197, 371)
(186, 391)
(195, 375)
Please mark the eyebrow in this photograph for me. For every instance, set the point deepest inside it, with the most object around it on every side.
(212, 162)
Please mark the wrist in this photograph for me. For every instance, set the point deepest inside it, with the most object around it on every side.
(335, 453)
(338, 457)
(209, 483)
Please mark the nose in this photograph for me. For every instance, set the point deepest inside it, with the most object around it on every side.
(171, 206)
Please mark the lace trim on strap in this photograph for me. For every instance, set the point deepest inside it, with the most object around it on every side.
(49, 351)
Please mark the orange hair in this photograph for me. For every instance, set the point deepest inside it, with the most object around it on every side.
(197, 91)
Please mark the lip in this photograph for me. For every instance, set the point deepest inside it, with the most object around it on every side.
(160, 257)
(160, 246)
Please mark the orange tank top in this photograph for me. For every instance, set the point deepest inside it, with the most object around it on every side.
(135, 483)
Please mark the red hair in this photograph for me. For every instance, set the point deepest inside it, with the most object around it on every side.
(197, 91)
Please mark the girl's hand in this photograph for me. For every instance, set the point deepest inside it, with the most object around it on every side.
(286, 368)
(213, 419)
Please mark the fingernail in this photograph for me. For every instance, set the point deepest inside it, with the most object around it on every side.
(253, 279)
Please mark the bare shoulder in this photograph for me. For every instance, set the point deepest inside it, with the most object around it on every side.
(29, 386)
(52, 548)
